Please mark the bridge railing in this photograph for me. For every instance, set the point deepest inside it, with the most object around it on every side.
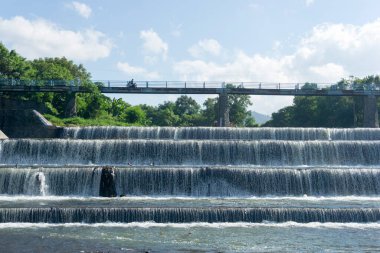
(21, 82)
(241, 85)
(208, 84)
(193, 84)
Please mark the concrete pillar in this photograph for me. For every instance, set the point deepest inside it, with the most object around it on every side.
(224, 110)
(71, 105)
(370, 112)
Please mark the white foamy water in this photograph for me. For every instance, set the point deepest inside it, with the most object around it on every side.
(290, 224)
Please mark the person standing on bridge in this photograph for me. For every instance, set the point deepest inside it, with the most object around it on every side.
(131, 84)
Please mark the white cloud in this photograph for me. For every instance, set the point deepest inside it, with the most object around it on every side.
(204, 47)
(153, 45)
(327, 54)
(136, 72)
(241, 68)
(309, 2)
(82, 9)
(329, 71)
(40, 38)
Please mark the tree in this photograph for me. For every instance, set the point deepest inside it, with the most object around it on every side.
(326, 111)
(13, 66)
(118, 106)
(210, 112)
(250, 122)
(238, 105)
(282, 118)
(186, 105)
(134, 114)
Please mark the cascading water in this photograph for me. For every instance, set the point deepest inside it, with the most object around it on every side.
(189, 152)
(268, 176)
(50, 181)
(195, 181)
(226, 133)
(41, 183)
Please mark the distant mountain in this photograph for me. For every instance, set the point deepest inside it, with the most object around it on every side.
(260, 118)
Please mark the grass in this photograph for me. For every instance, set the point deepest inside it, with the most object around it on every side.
(77, 121)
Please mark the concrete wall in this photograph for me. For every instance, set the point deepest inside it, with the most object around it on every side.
(20, 119)
(26, 124)
(3, 136)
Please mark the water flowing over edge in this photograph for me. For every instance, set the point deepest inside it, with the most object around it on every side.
(185, 133)
(188, 215)
(196, 182)
(200, 152)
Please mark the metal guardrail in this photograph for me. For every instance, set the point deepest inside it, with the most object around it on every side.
(209, 84)
(192, 84)
(20, 82)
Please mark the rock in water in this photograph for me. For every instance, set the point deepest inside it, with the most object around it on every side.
(107, 182)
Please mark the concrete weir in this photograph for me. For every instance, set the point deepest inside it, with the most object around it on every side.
(2, 136)
(22, 119)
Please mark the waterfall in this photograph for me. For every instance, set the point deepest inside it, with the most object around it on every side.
(202, 133)
(41, 181)
(180, 215)
(50, 181)
(194, 181)
(201, 152)
(225, 181)
(172, 165)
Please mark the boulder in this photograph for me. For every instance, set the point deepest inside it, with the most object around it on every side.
(107, 182)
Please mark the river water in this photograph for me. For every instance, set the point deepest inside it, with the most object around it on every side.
(192, 189)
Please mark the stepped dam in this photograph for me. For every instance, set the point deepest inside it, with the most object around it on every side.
(196, 181)
(224, 133)
(187, 152)
(231, 186)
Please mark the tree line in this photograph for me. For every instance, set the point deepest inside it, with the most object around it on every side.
(327, 111)
(94, 108)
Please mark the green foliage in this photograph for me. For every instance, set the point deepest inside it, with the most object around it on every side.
(238, 110)
(50, 109)
(135, 115)
(185, 105)
(94, 108)
(238, 105)
(77, 121)
(326, 111)
(210, 112)
(309, 86)
(250, 122)
(117, 107)
(13, 66)
(282, 118)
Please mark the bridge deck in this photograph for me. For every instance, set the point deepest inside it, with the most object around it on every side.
(276, 89)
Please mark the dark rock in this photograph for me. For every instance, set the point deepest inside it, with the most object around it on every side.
(107, 182)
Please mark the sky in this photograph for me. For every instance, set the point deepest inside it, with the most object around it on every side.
(287, 41)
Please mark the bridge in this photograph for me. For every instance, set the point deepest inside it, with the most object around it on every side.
(370, 92)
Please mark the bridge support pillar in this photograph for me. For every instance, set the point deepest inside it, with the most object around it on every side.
(71, 105)
(224, 110)
(371, 118)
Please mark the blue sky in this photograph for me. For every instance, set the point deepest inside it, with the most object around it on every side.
(208, 40)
